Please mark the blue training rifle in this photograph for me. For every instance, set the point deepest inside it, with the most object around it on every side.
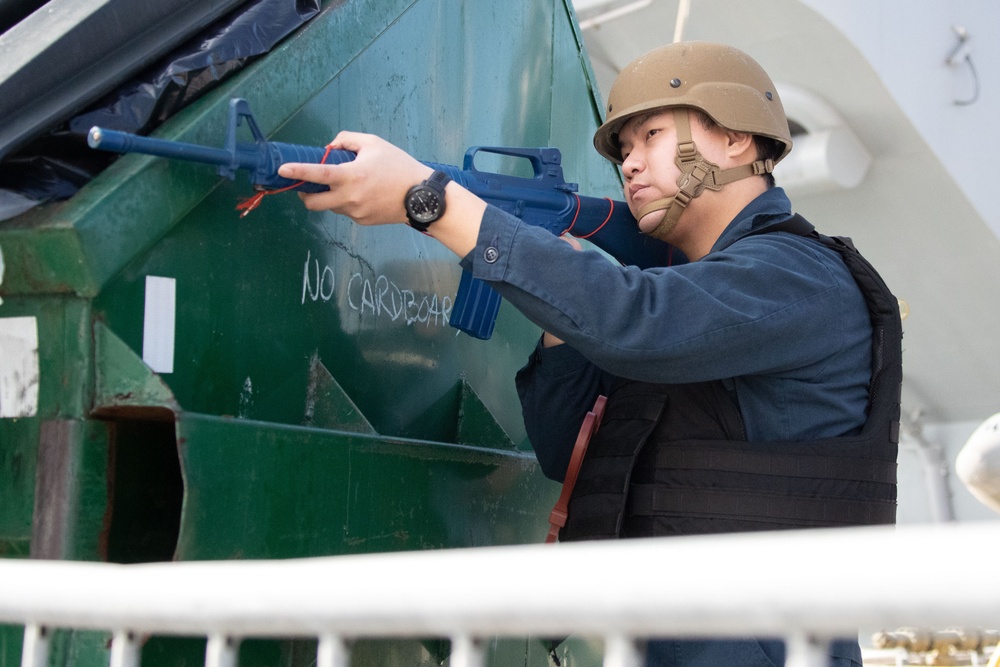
(544, 200)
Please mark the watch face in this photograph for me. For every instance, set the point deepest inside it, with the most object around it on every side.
(423, 204)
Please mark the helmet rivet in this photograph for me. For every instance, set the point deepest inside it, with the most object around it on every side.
(675, 83)
(768, 95)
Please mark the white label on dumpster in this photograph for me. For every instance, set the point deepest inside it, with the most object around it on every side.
(18, 366)
(158, 323)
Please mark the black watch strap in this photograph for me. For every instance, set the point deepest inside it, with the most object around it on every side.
(438, 179)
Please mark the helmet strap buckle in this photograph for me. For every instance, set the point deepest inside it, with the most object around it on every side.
(763, 167)
(687, 152)
(697, 173)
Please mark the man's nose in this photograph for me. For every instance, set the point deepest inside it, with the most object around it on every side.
(632, 164)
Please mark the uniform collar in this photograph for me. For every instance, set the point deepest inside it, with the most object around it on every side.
(770, 207)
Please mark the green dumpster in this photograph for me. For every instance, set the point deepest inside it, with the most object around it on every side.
(182, 383)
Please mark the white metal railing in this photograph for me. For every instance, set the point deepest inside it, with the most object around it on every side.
(805, 586)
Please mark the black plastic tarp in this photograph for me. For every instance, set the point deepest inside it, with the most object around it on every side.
(68, 53)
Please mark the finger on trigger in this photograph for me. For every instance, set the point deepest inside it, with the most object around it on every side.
(312, 173)
(288, 170)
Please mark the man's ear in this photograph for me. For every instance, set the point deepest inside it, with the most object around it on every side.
(738, 143)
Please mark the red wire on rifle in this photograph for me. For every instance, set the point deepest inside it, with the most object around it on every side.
(577, 215)
(250, 203)
(610, 211)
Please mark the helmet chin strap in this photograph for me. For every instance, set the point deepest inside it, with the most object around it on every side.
(697, 173)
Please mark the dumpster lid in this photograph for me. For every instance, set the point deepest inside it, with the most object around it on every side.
(68, 53)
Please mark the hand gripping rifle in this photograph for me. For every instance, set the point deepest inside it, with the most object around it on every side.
(545, 199)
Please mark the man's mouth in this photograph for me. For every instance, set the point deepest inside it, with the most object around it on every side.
(634, 190)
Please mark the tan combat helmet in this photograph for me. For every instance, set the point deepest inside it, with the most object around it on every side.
(722, 82)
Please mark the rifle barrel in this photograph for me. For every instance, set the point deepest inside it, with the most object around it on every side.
(123, 142)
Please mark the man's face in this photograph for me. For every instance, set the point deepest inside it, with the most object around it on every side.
(649, 146)
(649, 149)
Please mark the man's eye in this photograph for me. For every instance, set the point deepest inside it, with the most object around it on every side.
(653, 132)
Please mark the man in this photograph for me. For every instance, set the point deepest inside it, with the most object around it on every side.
(753, 388)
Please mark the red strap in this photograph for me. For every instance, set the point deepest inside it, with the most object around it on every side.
(251, 203)
(559, 514)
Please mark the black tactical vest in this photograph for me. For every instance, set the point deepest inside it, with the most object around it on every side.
(674, 459)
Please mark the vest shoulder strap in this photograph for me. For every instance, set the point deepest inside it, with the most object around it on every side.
(887, 328)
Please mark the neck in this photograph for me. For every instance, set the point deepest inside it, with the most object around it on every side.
(707, 216)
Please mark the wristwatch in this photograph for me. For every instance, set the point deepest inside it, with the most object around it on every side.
(425, 201)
